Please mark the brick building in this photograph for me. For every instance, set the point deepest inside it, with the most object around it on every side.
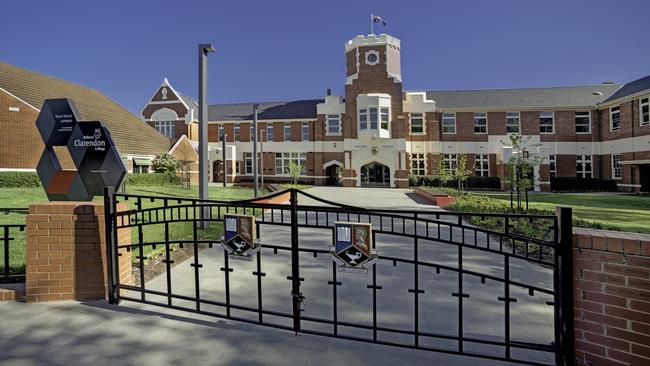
(22, 93)
(377, 133)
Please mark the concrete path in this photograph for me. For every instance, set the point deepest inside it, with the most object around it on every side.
(384, 198)
(94, 333)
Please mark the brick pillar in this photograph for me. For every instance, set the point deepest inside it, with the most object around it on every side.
(66, 252)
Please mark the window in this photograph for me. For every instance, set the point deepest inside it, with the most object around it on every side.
(140, 169)
(552, 169)
(287, 131)
(221, 132)
(237, 132)
(418, 164)
(282, 161)
(305, 131)
(384, 118)
(251, 133)
(645, 114)
(363, 119)
(583, 166)
(373, 118)
(368, 118)
(248, 163)
(546, 122)
(616, 166)
(449, 123)
(482, 165)
(615, 118)
(449, 161)
(417, 123)
(167, 128)
(513, 124)
(583, 122)
(269, 132)
(333, 124)
(480, 122)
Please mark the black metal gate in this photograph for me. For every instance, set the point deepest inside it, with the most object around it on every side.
(420, 252)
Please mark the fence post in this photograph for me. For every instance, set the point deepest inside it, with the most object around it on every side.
(565, 255)
(296, 296)
(109, 212)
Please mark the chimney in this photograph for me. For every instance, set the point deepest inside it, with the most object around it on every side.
(329, 92)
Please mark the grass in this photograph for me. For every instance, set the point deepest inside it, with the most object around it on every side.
(23, 197)
(612, 211)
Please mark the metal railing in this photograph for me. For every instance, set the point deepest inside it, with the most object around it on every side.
(418, 229)
(12, 237)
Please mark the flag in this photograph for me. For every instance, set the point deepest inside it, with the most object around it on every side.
(377, 19)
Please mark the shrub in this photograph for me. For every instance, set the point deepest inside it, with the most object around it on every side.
(165, 163)
(152, 179)
(474, 183)
(413, 181)
(19, 180)
(576, 184)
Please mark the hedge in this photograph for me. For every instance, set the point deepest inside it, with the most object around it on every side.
(575, 184)
(19, 180)
(152, 179)
(476, 183)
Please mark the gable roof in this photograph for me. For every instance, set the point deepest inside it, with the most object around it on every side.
(131, 135)
(631, 88)
(523, 98)
(295, 109)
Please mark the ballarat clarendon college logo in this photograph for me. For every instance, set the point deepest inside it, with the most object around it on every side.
(353, 249)
(91, 148)
(239, 236)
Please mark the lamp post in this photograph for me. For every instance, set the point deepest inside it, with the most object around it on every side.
(204, 49)
(254, 139)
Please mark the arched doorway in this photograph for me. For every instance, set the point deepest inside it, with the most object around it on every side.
(217, 174)
(375, 175)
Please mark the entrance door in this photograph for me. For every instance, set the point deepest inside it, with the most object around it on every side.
(644, 173)
(332, 175)
(217, 173)
(375, 175)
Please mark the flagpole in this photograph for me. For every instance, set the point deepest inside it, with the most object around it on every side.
(372, 24)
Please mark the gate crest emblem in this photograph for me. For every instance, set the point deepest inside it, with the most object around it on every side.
(239, 236)
(354, 248)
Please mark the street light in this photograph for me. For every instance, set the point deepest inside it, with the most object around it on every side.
(254, 139)
(204, 49)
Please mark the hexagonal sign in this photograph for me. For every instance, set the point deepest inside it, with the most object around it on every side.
(57, 119)
(93, 152)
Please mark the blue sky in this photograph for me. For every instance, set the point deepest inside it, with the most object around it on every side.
(282, 50)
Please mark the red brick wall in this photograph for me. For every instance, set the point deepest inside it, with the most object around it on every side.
(66, 252)
(611, 297)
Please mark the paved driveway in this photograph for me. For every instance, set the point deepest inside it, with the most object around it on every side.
(384, 198)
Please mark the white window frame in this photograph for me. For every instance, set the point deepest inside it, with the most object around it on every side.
(611, 118)
(644, 102)
(449, 130)
(382, 118)
(237, 132)
(419, 164)
(221, 130)
(416, 116)
(450, 161)
(546, 115)
(482, 165)
(617, 171)
(552, 165)
(166, 128)
(304, 129)
(285, 158)
(580, 114)
(269, 132)
(286, 131)
(480, 116)
(581, 160)
(510, 116)
(333, 120)
(248, 163)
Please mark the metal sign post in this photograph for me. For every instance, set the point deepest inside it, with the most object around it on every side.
(204, 49)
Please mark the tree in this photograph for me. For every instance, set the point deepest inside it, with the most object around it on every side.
(445, 173)
(165, 163)
(520, 166)
(295, 169)
(461, 173)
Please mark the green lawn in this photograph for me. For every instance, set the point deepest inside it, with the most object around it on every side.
(613, 211)
(23, 197)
